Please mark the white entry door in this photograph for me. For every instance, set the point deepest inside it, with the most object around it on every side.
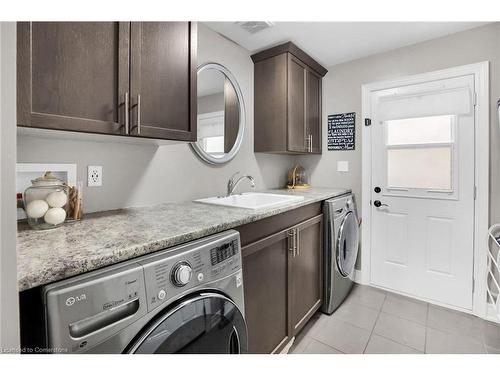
(422, 197)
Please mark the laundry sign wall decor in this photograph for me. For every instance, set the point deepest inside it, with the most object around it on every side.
(341, 131)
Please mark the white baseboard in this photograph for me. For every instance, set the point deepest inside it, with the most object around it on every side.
(358, 279)
(491, 314)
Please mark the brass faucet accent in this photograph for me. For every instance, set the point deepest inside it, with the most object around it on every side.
(231, 184)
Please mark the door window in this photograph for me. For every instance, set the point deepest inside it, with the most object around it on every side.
(420, 154)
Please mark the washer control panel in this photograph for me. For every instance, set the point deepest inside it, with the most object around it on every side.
(175, 271)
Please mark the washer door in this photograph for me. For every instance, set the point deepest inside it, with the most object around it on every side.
(347, 244)
(204, 323)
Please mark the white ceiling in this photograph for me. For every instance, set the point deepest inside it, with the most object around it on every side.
(332, 43)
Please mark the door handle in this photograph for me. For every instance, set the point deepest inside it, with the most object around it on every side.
(377, 204)
(139, 114)
(125, 105)
(137, 106)
(297, 247)
(127, 124)
(291, 242)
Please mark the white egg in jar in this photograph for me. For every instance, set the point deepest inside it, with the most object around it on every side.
(37, 208)
(55, 216)
(57, 199)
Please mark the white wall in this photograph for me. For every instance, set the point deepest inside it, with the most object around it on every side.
(136, 175)
(9, 314)
(342, 93)
(211, 103)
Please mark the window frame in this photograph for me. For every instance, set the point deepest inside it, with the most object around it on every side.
(413, 192)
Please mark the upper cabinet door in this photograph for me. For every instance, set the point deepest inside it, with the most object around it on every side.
(163, 80)
(73, 75)
(296, 105)
(287, 106)
(313, 112)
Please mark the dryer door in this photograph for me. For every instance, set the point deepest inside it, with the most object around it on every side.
(347, 244)
(204, 323)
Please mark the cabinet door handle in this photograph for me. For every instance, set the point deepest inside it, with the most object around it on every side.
(297, 244)
(127, 124)
(139, 114)
(310, 143)
(291, 245)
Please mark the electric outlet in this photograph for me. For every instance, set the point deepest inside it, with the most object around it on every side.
(94, 177)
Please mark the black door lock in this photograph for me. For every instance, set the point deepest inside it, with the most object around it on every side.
(377, 189)
(377, 203)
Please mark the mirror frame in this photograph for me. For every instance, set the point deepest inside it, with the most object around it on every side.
(206, 157)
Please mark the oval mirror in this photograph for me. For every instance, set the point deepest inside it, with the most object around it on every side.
(221, 115)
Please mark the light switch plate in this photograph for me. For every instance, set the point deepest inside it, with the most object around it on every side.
(342, 166)
(94, 175)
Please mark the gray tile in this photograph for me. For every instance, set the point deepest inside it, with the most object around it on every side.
(358, 315)
(302, 339)
(491, 335)
(299, 345)
(367, 296)
(340, 335)
(381, 345)
(438, 342)
(401, 330)
(316, 347)
(454, 322)
(406, 308)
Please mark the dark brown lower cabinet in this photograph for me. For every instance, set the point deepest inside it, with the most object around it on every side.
(282, 275)
(307, 272)
(265, 279)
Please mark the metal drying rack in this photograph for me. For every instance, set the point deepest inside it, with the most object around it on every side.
(493, 276)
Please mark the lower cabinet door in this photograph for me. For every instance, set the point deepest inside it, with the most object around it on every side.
(306, 272)
(265, 277)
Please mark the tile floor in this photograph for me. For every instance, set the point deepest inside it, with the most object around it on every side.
(372, 321)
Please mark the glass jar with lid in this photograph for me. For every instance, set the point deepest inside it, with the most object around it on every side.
(46, 202)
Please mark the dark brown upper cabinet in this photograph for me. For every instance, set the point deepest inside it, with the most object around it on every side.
(163, 80)
(118, 78)
(287, 101)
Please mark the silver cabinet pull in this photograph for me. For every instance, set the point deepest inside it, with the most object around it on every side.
(139, 114)
(127, 124)
(309, 143)
(297, 244)
(291, 245)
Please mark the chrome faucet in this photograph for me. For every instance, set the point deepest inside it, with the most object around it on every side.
(231, 184)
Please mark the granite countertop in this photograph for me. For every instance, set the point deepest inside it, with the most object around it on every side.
(105, 238)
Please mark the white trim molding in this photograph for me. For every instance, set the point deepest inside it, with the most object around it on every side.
(9, 297)
(480, 71)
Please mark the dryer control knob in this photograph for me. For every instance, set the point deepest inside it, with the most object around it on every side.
(181, 274)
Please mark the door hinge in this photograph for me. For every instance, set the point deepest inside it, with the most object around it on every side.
(368, 121)
(473, 284)
(475, 192)
(474, 99)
